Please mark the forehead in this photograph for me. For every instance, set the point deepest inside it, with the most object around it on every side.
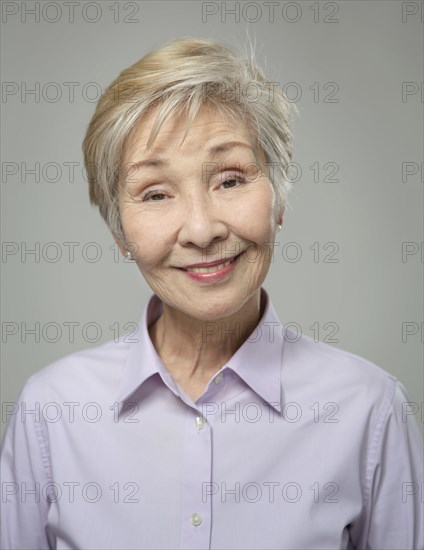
(210, 126)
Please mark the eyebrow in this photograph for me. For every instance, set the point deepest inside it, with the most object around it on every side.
(211, 151)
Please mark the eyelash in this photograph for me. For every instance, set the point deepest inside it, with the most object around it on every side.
(232, 177)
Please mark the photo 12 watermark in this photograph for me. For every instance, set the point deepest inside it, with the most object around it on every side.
(412, 330)
(271, 12)
(412, 12)
(253, 412)
(70, 12)
(52, 332)
(412, 170)
(70, 412)
(270, 492)
(413, 92)
(72, 492)
(270, 331)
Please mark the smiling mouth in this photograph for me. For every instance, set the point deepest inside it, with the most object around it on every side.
(212, 269)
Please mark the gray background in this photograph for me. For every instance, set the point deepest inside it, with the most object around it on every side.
(368, 50)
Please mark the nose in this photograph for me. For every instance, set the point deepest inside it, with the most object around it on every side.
(202, 222)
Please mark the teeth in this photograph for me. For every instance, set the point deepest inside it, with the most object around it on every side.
(209, 269)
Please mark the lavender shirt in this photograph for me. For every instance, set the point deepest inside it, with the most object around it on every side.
(294, 444)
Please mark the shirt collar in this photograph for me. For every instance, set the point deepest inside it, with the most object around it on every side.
(258, 361)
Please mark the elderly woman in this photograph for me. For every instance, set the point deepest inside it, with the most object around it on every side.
(211, 427)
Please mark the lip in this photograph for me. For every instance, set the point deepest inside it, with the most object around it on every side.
(215, 276)
(210, 264)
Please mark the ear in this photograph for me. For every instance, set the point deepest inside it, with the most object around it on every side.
(119, 243)
(281, 217)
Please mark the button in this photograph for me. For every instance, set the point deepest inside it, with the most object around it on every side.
(196, 519)
(200, 422)
(218, 378)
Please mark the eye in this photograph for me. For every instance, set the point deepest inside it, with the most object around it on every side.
(151, 194)
(233, 179)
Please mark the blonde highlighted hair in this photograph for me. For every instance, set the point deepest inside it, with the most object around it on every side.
(177, 78)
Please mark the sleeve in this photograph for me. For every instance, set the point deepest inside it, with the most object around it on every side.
(396, 506)
(25, 477)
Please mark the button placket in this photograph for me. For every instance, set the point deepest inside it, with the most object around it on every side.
(197, 470)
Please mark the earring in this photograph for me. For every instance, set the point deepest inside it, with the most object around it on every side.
(279, 227)
(128, 255)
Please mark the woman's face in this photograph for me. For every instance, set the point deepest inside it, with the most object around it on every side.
(189, 204)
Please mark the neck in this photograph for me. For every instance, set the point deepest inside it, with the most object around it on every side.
(194, 349)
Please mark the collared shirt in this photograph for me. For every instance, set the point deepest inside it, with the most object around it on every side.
(294, 444)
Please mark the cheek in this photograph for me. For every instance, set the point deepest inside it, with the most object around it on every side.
(147, 239)
(151, 253)
(257, 215)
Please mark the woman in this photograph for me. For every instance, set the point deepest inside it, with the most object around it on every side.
(210, 427)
